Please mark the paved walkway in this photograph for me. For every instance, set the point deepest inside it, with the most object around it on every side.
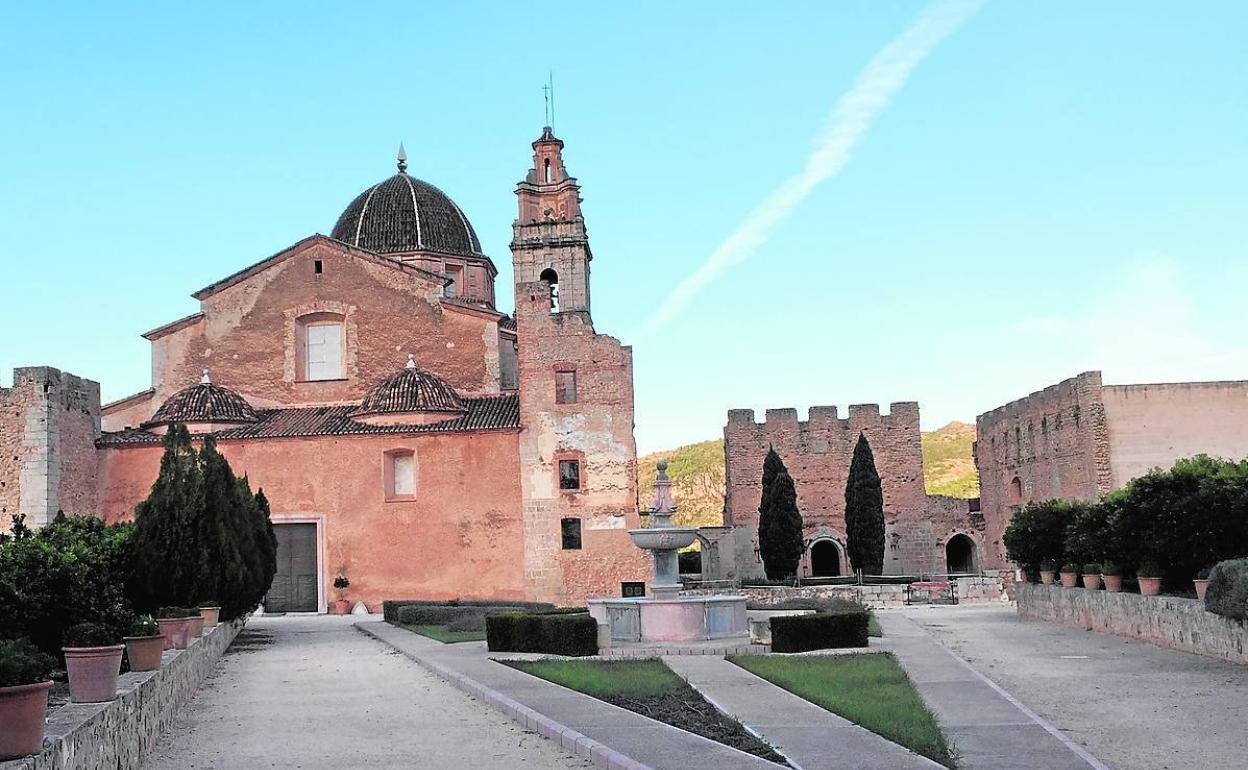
(989, 729)
(312, 692)
(1134, 705)
(811, 737)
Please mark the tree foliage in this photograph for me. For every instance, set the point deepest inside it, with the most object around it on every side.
(779, 521)
(1037, 534)
(864, 512)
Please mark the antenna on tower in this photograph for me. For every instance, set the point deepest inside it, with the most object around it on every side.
(548, 93)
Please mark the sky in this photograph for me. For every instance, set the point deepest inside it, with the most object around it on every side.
(790, 204)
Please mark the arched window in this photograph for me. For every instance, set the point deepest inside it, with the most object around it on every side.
(319, 346)
(1015, 491)
(960, 554)
(548, 175)
(552, 280)
(825, 559)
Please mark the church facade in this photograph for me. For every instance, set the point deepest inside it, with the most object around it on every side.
(409, 436)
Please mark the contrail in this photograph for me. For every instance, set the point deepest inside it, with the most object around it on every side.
(853, 114)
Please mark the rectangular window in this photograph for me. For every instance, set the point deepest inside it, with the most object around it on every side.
(456, 275)
(565, 387)
(632, 588)
(570, 474)
(404, 475)
(570, 531)
(323, 350)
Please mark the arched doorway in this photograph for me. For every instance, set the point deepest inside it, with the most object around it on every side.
(825, 559)
(960, 554)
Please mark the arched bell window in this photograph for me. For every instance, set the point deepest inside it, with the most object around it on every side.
(552, 282)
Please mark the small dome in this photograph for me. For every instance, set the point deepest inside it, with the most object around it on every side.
(412, 390)
(403, 214)
(203, 402)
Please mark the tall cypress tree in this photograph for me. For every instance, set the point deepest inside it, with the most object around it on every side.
(779, 522)
(864, 512)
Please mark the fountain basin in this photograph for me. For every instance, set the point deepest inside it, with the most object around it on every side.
(679, 619)
(665, 539)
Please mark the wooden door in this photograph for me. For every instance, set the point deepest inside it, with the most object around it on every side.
(294, 585)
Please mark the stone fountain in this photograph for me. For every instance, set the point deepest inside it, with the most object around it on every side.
(665, 615)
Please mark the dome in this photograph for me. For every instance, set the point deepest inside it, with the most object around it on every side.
(203, 402)
(410, 391)
(403, 213)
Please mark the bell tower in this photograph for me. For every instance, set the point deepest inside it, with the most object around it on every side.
(549, 243)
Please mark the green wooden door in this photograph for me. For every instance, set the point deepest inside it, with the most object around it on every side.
(294, 585)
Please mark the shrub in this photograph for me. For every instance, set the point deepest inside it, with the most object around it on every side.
(1227, 594)
(390, 607)
(555, 633)
(144, 626)
(1048, 566)
(90, 635)
(1086, 538)
(1203, 573)
(1149, 568)
(167, 613)
(1112, 569)
(341, 582)
(864, 512)
(21, 663)
(441, 616)
(467, 623)
(1037, 535)
(821, 631)
(1092, 568)
(1070, 568)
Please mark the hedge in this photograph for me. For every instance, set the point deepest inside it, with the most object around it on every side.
(821, 631)
(442, 615)
(1227, 592)
(390, 607)
(553, 633)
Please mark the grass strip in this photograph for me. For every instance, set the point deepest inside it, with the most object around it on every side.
(651, 689)
(871, 690)
(446, 637)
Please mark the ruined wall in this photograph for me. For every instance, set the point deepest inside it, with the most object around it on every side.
(247, 333)
(818, 453)
(48, 424)
(1151, 426)
(597, 430)
(459, 537)
(1055, 442)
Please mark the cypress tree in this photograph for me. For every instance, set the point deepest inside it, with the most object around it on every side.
(864, 512)
(779, 522)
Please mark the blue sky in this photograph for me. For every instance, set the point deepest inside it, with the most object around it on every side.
(1055, 187)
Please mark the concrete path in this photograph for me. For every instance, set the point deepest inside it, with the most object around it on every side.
(989, 728)
(1134, 705)
(647, 742)
(809, 736)
(312, 692)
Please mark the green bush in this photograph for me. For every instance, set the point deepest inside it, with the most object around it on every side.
(442, 615)
(168, 613)
(1149, 568)
(90, 635)
(1092, 568)
(1111, 569)
(1037, 534)
(821, 631)
(552, 633)
(144, 625)
(1070, 568)
(1227, 593)
(1088, 533)
(467, 623)
(71, 571)
(22, 663)
(390, 607)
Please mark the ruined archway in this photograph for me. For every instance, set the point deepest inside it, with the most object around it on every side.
(960, 556)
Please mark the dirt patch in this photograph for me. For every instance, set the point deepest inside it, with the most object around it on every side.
(689, 711)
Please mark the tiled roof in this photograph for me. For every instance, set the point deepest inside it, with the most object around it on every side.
(403, 213)
(411, 390)
(486, 413)
(507, 322)
(203, 402)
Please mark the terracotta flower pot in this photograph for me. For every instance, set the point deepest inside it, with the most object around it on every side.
(211, 616)
(1113, 583)
(342, 607)
(1201, 585)
(1046, 577)
(23, 710)
(196, 628)
(1092, 582)
(175, 631)
(144, 652)
(1150, 586)
(93, 672)
(1070, 579)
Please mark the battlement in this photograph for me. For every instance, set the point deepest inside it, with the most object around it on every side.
(901, 414)
(1072, 390)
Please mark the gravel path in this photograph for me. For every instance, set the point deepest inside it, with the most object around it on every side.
(312, 692)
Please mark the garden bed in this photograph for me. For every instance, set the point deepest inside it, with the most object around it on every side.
(869, 690)
(651, 689)
(446, 635)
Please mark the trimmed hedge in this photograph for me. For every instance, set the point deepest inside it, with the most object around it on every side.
(821, 631)
(554, 633)
(390, 608)
(1227, 593)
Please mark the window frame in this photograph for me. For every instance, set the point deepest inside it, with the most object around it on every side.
(389, 478)
(303, 326)
(566, 537)
(560, 390)
(580, 472)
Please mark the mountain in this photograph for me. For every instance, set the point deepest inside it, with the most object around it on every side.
(697, 473)
(948, 466)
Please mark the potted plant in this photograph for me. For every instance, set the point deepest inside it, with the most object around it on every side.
(1201, 581)
(1047, 568)
(93, 661)
(211, 612)
(196, 627)
(341, 606)
(25, 678)
(1111, 573)
(144, 645)
(1149, 573)
(175, 625)
(1092, 576)
(1070, 575)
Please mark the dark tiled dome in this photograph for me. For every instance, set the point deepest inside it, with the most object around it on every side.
(411, 390)
(405, 214)
(203, 402)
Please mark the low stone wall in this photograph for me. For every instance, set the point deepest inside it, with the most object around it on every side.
(970, 591)
(121, 733)
(1167, 621)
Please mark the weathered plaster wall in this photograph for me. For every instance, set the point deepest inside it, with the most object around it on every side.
(460, 537)
(1151, 426)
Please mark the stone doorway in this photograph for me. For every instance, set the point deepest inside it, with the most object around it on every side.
(960, 554)
(294, 586)
(825, 559)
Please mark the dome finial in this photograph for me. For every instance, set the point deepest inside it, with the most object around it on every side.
(411, 362)
(205, 380)
(402, 159)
